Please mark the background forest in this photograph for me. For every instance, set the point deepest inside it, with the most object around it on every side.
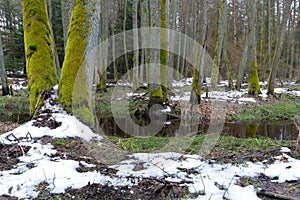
(214, 24)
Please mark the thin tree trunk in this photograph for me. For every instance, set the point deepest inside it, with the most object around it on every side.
(4, 81)
(195, 97)
(253, 81)
(219, 46)
(243, 63)
(262, 42)
(49, 8)
(135, 44)
(234, 23)
(104, 38)
(125, 47)
(225, 46)
(277, 55)
(114, 45)
(163, 51)
(67, 7)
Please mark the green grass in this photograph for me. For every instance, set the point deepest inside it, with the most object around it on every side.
(225, 144)
(14, 103)
(274, 112)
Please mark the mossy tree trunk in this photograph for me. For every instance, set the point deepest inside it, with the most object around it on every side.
(40, 62)
(279, 48)
(253, 81)
(75, 56)
(4, 81)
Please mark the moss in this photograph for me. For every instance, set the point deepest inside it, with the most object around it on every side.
(32, 47)
(40, 62)
(254, 87)
(75, 52)
(251, 130)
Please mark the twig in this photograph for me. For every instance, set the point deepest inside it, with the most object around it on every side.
(21, 148)
(15, 138)
(228, 186)
(28, 135)
(275, 195)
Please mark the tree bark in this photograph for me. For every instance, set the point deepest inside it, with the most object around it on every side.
(253, 81)
(66, 9)
(4, 81)
(219, 46)
(278, 51)
(40, 62)
(75, 98)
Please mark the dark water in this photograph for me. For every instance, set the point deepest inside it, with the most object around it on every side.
(285, 130)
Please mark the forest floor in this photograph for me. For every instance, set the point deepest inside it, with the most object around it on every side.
(46, 158)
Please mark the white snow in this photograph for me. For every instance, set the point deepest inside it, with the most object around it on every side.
(60, 173)
(168, 109)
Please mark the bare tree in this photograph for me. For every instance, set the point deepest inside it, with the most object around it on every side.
(5, 87)
(279, 47)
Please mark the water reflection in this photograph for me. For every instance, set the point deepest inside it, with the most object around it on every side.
(285, 130)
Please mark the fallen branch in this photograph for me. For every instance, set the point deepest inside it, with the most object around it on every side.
(275, 195)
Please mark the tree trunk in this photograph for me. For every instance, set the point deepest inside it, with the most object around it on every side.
(135, 62)
(225, 46)
(74, 64)
(40, 62)
(66, 9)
(278, 51)
(103, 37)
(253, 81)
(243, 63)
(49, 8)
(234, 23)
(199, 72)
(219, 46)
(262, 42)
(125, 47)
(4, 81)
(163, 52)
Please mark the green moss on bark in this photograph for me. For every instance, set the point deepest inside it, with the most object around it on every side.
(254, 87)
(75, 53)
(40, 62)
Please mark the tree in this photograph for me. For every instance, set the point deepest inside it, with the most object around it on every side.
(11, 28)
(278, 51)
(135, 60)
(199, 73)
(219, 45)
(66, 11)
(75, 54)
(5, 87)
(253, 80)
(40, 62)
